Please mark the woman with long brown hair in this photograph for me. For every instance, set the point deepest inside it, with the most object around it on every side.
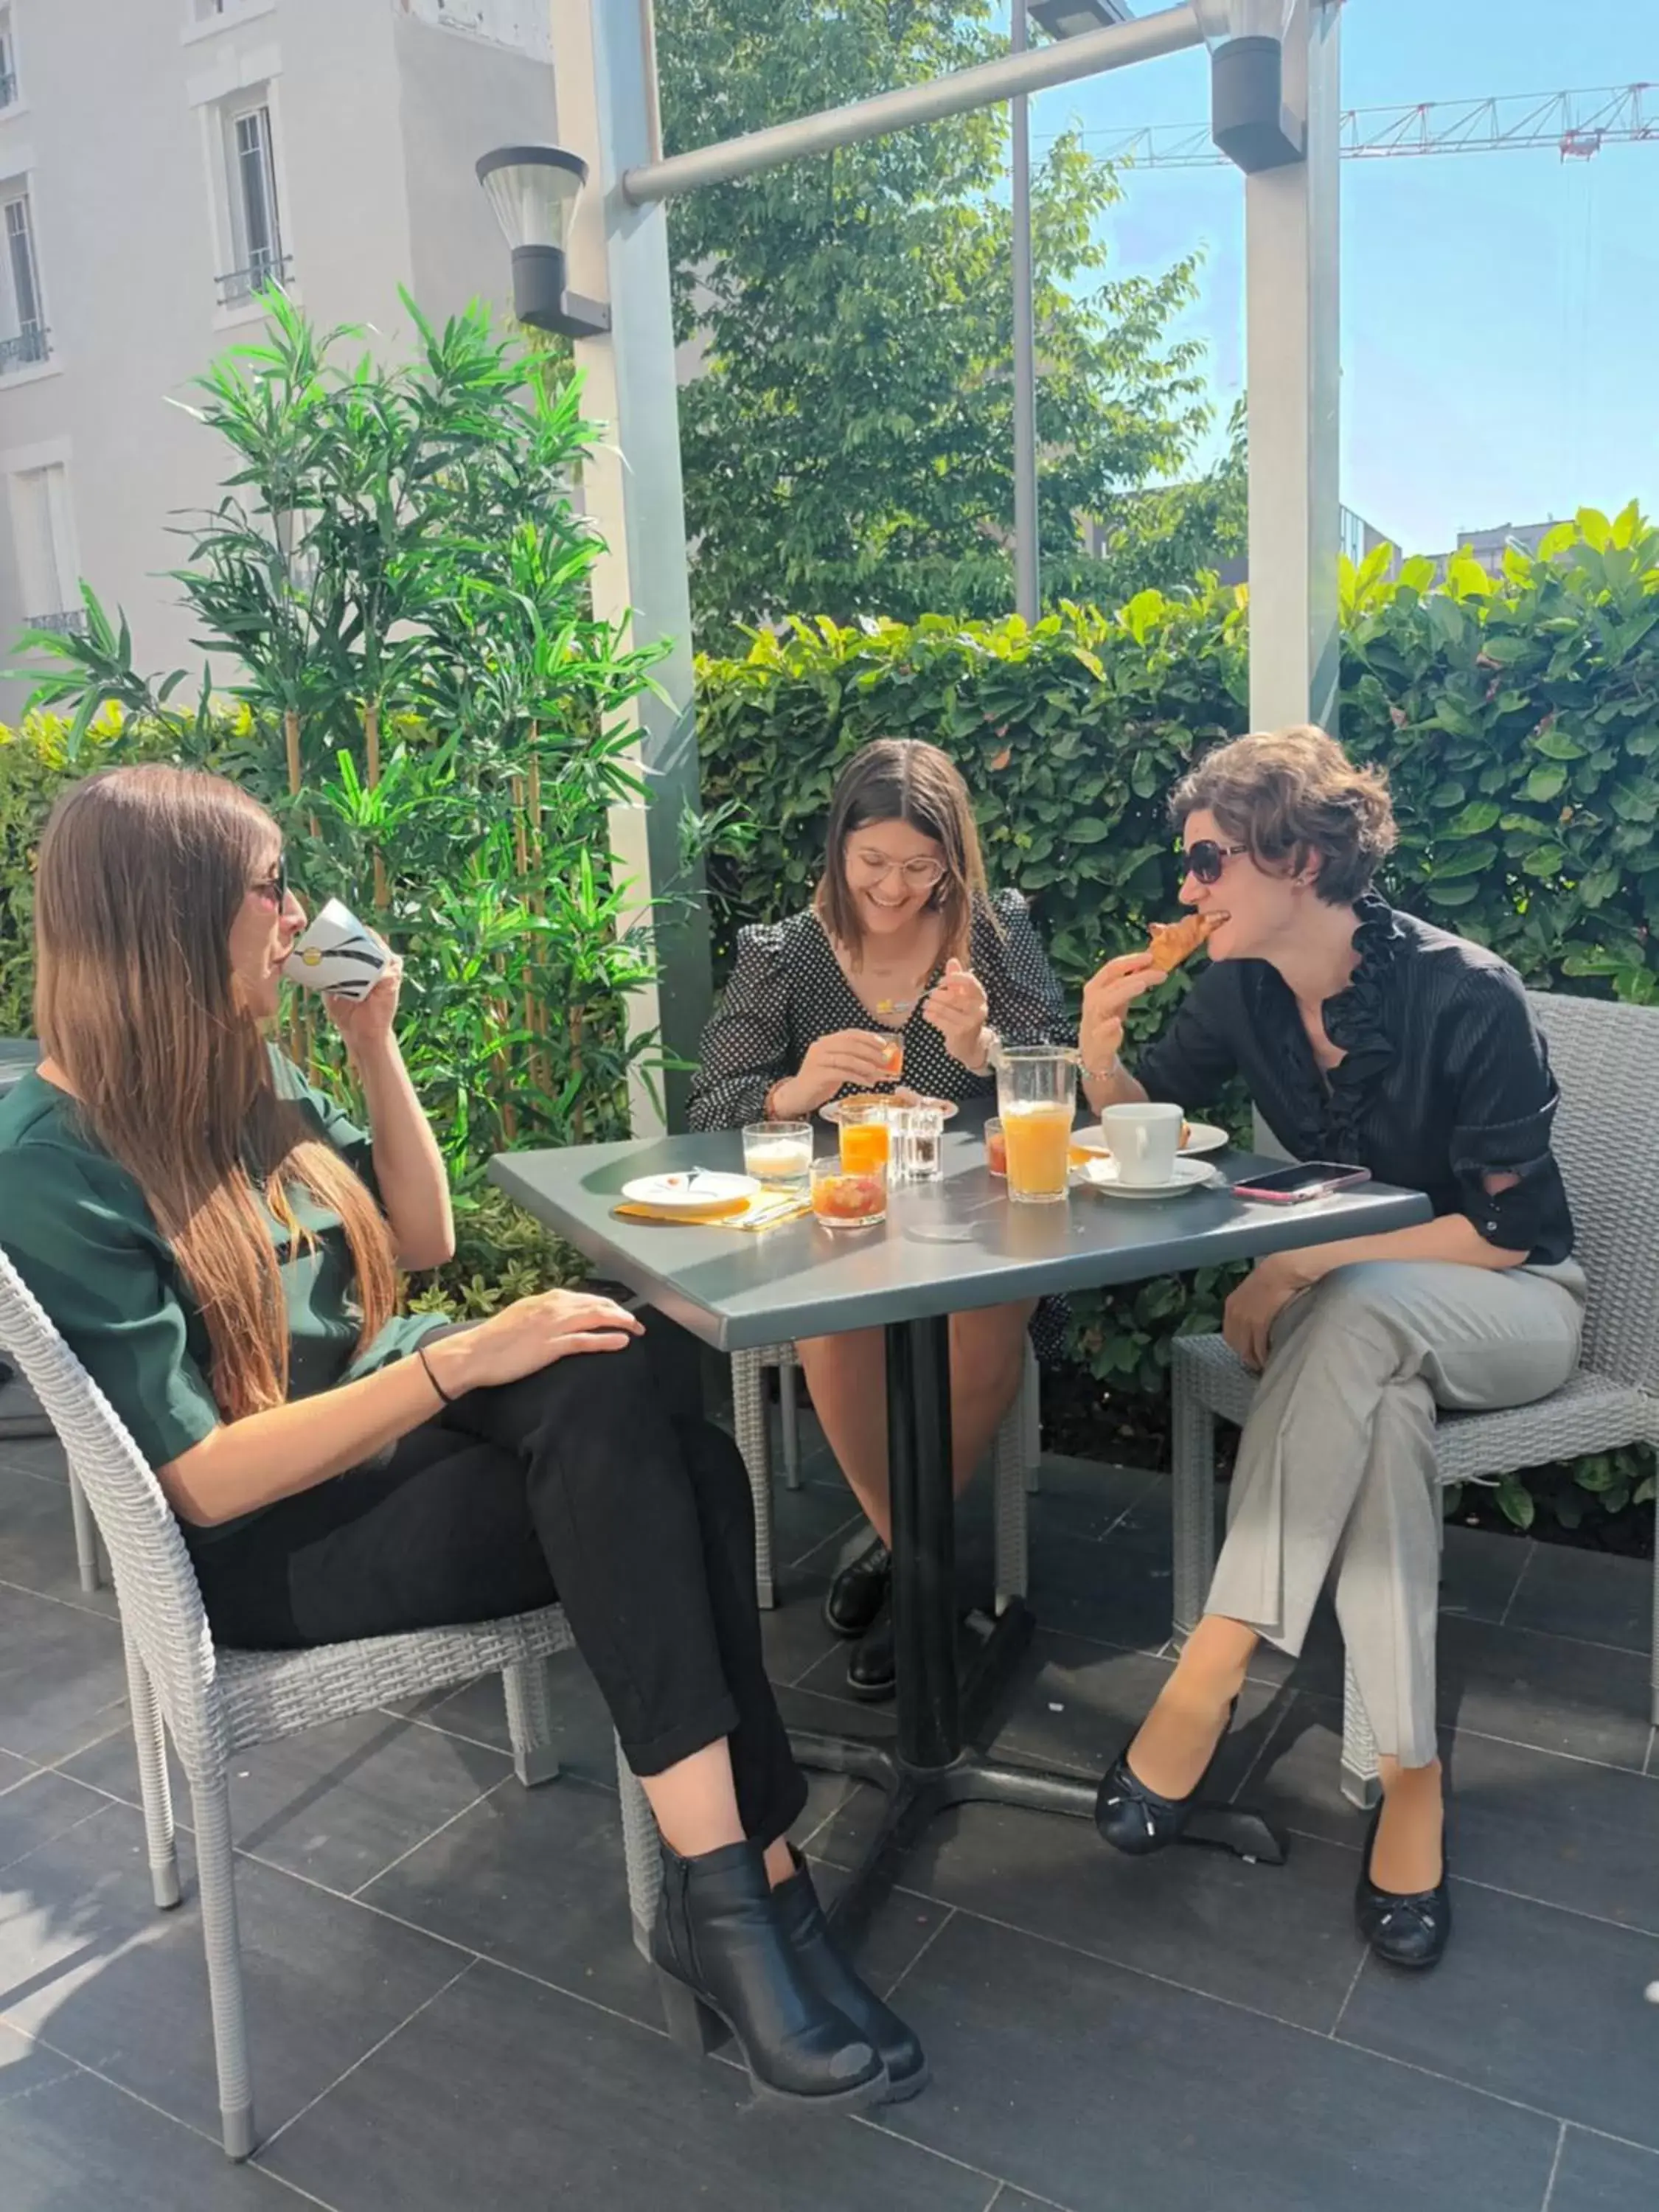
(901, 940)
(219, 1246)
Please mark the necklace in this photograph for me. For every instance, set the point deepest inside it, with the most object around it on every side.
(889, 1003)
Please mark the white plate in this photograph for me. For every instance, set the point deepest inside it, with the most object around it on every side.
(688, 1191)
(1201, 1137)
(947, 1107)
(1102, 1175)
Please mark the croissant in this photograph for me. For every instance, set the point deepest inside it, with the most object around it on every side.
(1176, 941)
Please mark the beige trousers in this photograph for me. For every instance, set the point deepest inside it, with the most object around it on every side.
(1336, 1462)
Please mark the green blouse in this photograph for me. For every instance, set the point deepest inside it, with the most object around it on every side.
(77, 1229)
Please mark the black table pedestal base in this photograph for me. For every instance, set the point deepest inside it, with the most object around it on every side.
(935, 1760)
(915, 1795)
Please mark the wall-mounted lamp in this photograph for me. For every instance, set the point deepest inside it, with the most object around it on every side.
(1070, 19)
(1248, 120)
(533, 190)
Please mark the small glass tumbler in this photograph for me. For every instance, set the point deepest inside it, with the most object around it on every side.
(892, 1056)
(846, 1198)
(996, 1151)
(918, 1134)
(779, 1153)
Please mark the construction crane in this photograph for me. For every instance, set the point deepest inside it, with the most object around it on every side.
(1577, 125)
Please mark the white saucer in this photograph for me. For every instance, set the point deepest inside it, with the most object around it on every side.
(1102, 1175)
(690, 1191)
(1201, 1137)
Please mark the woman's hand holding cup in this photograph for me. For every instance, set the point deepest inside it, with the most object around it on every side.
(1107, 997)
(857, 1056)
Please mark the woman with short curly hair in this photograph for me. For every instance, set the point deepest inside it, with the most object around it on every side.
(1368, 1036)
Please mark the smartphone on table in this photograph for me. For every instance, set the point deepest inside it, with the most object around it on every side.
(1302, 1179)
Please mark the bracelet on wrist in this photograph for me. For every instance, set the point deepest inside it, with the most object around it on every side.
(420, 1353)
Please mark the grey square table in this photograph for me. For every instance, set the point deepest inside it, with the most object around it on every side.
(945, 1247)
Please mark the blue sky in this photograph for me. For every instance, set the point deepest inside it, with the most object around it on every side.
(1500, 312)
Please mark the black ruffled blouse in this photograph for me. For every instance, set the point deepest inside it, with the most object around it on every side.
(1445, 1079)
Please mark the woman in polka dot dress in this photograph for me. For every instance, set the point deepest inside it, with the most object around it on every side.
(902, 940)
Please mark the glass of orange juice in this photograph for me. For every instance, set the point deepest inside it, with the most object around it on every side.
(1037, 1101)
(865, 1140)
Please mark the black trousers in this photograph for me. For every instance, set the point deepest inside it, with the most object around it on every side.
(596, 1481)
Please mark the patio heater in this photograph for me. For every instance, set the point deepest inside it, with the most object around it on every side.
(532, 190)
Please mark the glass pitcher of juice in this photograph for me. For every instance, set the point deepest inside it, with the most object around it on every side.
(1037, 1101)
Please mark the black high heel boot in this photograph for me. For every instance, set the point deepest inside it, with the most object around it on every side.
(834, 1979)
(1135, 1820)
(723, 1957)
(1406, 1929)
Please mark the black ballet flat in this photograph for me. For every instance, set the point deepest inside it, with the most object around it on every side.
(859, 1591)
(1410, 1929)
(1135, 1820)
(872, 1669)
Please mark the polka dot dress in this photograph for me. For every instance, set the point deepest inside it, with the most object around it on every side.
(786, 990)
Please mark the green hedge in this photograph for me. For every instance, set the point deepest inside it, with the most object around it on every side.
(1519, 722)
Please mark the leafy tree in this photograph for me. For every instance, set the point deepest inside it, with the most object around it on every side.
(848, 439)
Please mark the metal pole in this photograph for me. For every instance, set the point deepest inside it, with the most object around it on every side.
(1028, 543)
(1292, 276)
(632, 492)
(1171, 31)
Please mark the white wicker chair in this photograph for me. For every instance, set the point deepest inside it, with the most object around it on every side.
(30, 1424)
(1014, 1461)
(1605, 1059)
(216, 1703)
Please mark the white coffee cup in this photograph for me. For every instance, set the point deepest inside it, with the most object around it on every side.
(1144, 1139)
(337, 954)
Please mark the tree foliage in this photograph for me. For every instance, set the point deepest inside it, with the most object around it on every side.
(848, 439)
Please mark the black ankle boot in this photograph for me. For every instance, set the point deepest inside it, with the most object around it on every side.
(722, 1956)
(808, 1932)
(1406, 1930)
(1135, 1820)
(858, 1592)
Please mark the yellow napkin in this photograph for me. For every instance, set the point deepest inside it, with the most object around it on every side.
(723, 1210)
(763, 1209)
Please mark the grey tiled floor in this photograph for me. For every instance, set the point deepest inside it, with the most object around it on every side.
(447, 2012)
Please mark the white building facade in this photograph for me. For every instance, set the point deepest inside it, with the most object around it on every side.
(160, 161)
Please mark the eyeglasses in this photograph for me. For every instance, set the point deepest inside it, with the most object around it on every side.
(920, 875)
(1205, 859)
(274, 887)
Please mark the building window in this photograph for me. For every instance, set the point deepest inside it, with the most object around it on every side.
(7, 62)
(23, 339)
(43, 531)
(255, 230)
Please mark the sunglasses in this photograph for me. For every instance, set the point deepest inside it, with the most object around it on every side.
(275, 887)
(1206, 860)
